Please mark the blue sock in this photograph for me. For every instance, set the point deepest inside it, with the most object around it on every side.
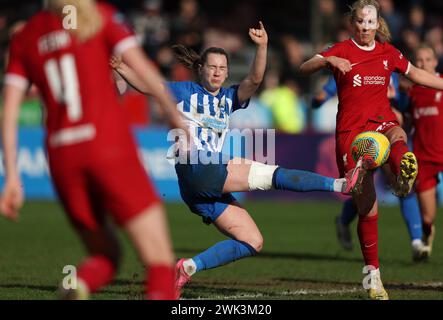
(411, 213)
(222, 253)
(301, 181)
(348, 212)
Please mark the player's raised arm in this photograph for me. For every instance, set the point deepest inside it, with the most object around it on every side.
(152, 82)
(129, 75)
(424, 78)
(253, 80)
(12, 196)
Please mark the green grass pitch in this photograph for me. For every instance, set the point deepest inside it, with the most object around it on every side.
(301, 258)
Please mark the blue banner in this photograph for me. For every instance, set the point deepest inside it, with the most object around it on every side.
(33, 166)
(314, 152)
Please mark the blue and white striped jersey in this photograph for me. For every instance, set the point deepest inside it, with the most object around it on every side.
(207, 116)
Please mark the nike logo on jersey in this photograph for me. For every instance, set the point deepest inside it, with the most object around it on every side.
(371, 245)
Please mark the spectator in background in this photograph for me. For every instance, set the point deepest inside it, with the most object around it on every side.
(410, 40)
(434, 37)
(4, 35)
(188, 24)
(330, 20)
(165, 60)
(151, 26)
(292, 55)
(393, 19)
(417, 20)
(293, 50)
(281, 97)
(214, 37)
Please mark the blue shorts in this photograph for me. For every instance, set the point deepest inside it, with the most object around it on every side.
(201, 188)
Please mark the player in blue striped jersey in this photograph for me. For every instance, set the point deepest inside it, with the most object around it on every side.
(206, 187)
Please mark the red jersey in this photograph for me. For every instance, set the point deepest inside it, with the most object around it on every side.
(362, 92)
(74, 79)
(426, 106)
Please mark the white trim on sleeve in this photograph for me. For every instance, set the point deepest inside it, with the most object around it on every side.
(408, 69)
(125, 44)
(17, 81)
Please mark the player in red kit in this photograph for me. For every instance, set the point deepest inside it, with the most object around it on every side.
(362, 67)
(426, 108)
(92, 154)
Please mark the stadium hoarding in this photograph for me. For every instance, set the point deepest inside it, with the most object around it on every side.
(314, 152)
(33, 166)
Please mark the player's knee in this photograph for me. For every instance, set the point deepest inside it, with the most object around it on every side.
(367, 208)
(366, 205)
(428, 218)
(260, 176)
(255, 241)
(397, 135)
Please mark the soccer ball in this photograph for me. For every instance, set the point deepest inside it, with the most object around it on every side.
(373, 147)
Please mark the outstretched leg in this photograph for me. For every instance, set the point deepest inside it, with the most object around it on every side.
(244, 175)
(245, 240)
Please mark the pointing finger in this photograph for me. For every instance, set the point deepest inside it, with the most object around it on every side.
(262, 27)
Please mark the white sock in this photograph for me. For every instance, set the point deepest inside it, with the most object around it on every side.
(417, 243)
(339, 185)
(190, 267)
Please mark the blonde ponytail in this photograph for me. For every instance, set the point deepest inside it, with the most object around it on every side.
(89, 20)
(383, 30)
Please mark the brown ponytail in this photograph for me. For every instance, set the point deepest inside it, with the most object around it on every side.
(191, 60)
(187, 57)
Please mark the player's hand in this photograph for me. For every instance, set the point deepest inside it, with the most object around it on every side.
(259, 36)
(12, 199)
(341, 64)
(391, 91)
(115, 62)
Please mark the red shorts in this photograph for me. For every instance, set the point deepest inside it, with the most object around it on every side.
(427, 177)
(89, 189)
(343, 141)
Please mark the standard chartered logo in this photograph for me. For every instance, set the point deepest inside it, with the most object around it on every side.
(368, 80)
(357, 80)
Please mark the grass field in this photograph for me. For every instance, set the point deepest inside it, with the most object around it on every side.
(301, 258)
